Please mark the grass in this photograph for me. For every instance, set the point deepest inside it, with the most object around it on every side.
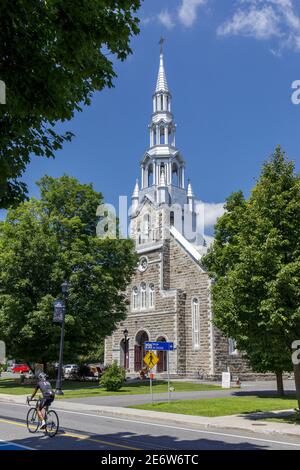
(87, 389)
(222, 406)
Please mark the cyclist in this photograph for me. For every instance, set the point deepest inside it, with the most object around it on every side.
(48, 396)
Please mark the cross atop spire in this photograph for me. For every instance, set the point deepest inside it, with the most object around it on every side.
(161, 84)
(161, 41)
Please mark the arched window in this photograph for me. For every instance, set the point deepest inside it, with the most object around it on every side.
(196, 323)
(232, 349)
(175, 179)
(138, 234)
(135, 298)
(146, 226)
(162, 135)
(143, 296)
(151, 296)
(150, 175)
(172, 218)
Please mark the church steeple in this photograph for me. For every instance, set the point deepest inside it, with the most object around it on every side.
(162, 172)
(162, 84)
(162, 127)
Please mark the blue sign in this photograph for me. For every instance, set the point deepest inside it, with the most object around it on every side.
(159, 346)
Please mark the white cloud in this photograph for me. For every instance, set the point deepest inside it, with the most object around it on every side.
(258, 23)
(265, 19)
(187, 12)
(166, 19)
(211, 212)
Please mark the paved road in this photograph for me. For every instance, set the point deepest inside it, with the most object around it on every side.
(94, 432)
(261, 388)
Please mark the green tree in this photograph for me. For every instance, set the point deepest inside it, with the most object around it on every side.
(255, 261)
(54, 56)
(43, 242)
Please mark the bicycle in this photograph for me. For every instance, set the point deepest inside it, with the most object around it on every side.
(33, 421)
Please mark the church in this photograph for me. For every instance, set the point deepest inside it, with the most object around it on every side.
(169, 294)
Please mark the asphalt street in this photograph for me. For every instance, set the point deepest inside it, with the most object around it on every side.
(89, 431)
(255, 388)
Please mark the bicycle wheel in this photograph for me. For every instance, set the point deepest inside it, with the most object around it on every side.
(32, 420)
(52, 423)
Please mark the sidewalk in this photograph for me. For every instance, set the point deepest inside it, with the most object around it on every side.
(251, 422)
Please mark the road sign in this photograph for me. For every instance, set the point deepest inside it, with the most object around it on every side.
(59, 311)
(151, 359)
(159, 346)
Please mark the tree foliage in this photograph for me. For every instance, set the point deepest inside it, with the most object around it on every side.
(54, 56)
(42, 243)
(255, 261)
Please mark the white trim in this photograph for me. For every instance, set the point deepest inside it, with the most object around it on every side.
(188, 247)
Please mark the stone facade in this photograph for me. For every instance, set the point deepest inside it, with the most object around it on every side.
(169, 294)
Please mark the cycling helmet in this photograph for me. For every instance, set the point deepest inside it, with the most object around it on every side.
(42, 376)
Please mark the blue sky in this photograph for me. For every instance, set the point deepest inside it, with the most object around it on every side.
(230, 65)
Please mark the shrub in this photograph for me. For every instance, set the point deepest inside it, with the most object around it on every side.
(113, 378)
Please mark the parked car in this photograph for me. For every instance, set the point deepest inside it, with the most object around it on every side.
(20, 368)
(70, 370)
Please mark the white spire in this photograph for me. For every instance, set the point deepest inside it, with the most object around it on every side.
(136, 190)
(161, 84)
(190, 190)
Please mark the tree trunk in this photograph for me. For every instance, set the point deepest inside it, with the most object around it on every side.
(280, 388)
(297, 383)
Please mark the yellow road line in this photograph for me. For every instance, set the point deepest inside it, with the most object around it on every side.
(81, 436)
(13, 422)
(76, 436)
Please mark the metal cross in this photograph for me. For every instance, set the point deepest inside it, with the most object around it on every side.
(161, 41)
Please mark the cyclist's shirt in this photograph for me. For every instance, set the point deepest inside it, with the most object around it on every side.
(45, 388)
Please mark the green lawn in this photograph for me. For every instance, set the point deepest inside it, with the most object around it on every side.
(87, 389)
(222, 406)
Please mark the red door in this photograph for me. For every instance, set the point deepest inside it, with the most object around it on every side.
(137, 358)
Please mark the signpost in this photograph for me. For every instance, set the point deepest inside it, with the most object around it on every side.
(226, 379)
(161, 346)
(151, 360)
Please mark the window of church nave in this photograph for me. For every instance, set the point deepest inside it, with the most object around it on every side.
(232, 349)
(151, 296)
(196, 323)
(135, 298)
(143, 296)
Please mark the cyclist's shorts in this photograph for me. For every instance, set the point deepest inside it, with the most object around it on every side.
(45, 402)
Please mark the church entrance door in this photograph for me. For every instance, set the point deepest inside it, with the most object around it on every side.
(139, 350)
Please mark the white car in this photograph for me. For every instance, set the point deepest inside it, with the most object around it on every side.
(70, 369)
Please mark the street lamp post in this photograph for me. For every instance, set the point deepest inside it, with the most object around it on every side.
(125, 332)
(58, 391)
